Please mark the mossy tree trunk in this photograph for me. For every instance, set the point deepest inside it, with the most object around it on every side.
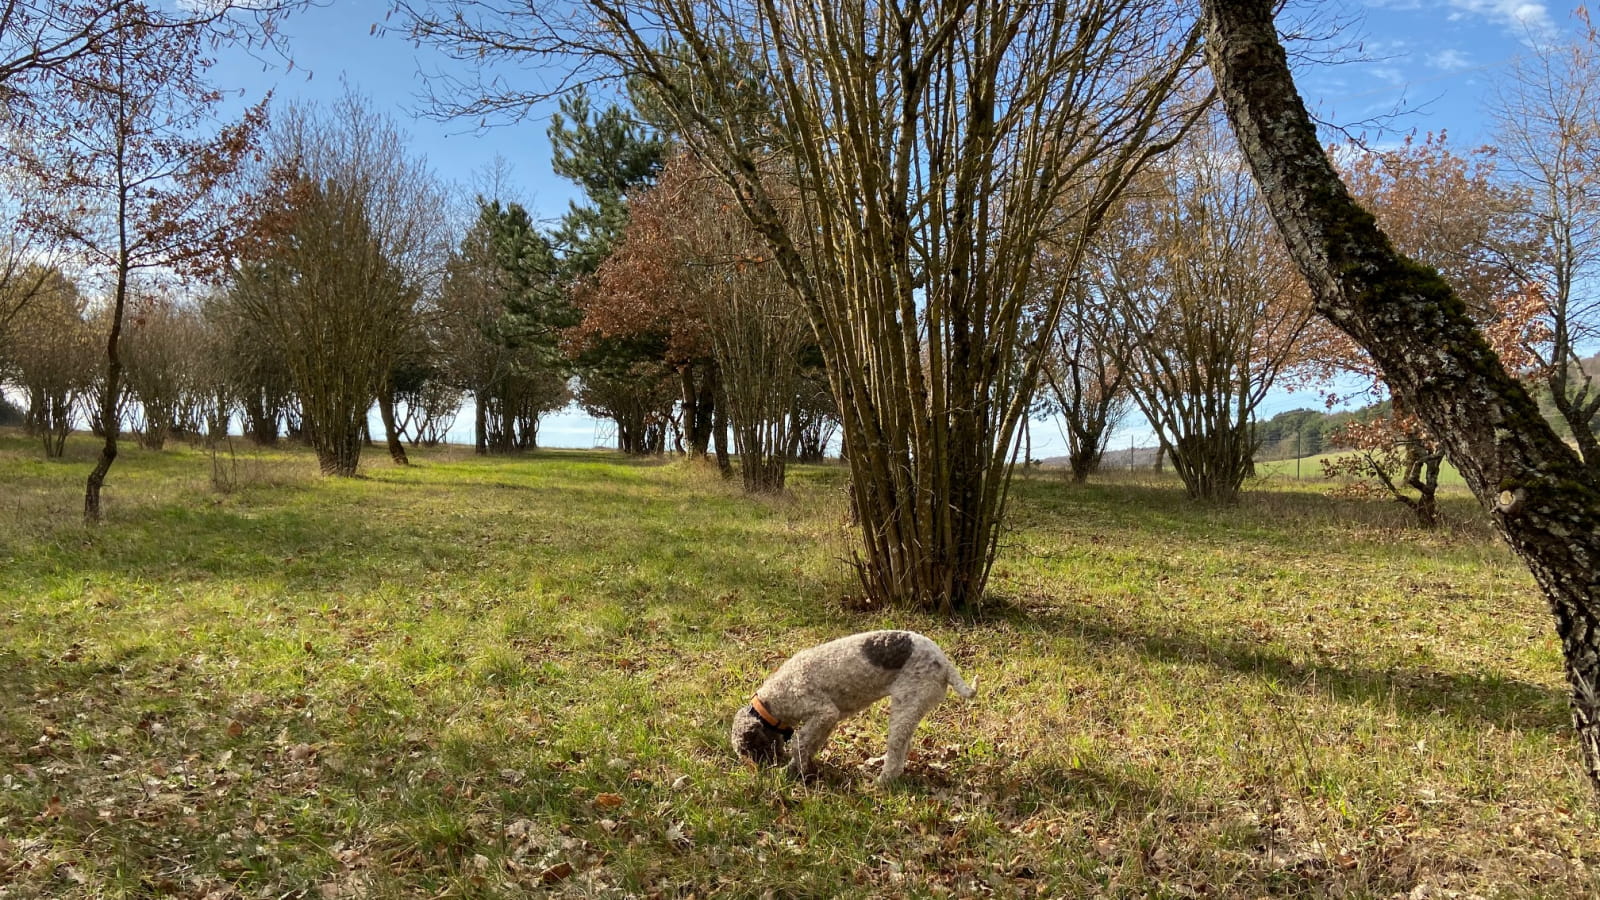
(1541, 497)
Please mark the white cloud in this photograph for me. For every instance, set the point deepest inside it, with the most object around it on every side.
(1449, 60)
(1515, 14)
(1519, 16)
(1390, 75)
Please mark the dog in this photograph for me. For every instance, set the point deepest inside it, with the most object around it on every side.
(817, 688)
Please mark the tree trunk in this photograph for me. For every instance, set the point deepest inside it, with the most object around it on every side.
(1082, 465)
(506, 425)
(698, 394)
(719, 428)
(34, 422)
(109, 418)
(1577, 409)
(339, 454)
(391, 433)
(1422, 474)
(480, 423)
(1542, 498)
(55, 424)
(261, 419)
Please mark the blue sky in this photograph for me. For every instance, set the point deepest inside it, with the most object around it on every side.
(1437, 60)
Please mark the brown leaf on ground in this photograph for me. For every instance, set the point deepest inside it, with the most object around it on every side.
(558, 872)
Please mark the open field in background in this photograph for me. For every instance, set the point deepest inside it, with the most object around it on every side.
(481, 677)
(1310, 469)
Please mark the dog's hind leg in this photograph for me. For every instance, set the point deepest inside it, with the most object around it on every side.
(905, 712)
(809, 739)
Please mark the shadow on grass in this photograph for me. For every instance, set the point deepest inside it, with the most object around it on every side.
(1288, 520)
(309, 540)
(1475, 700)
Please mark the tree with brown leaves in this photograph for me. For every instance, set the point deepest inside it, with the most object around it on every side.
(349, 241)
(132, 179)
(692, 269)
(1449, 211)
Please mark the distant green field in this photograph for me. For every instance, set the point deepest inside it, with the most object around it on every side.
(1309, 468)
(496, 677)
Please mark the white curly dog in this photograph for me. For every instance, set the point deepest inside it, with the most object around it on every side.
(817, 688)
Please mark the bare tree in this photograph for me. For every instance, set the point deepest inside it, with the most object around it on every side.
(256, 379)
(45, 41)
(1548, 137)
(51, 354)
(1541, 496)
(1197, 279)
(164, 356)
(1086, 379)
(637, 393)
(352, 240)
(216, 394)
(933, 146)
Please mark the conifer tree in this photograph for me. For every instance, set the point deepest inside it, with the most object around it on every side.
(613, 158)
(502, 313)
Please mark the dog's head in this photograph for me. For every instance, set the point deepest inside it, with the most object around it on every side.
(754, 739)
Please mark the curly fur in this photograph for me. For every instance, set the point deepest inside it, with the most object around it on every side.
(817, 688)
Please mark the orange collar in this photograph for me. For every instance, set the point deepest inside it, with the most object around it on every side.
(765, 714)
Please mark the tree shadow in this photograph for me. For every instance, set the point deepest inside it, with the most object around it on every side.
(1472, 699)
(1295, 521)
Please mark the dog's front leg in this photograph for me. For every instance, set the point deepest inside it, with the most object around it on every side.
(809, 739)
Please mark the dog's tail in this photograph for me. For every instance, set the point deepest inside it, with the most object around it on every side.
(953, 678)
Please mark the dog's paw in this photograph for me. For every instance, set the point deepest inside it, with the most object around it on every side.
(803, 776)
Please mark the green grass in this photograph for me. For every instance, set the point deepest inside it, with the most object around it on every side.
(490, 677)
(1309, 468)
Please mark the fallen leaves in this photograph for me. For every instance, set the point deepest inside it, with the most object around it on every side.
(558, 872)
(1116, 751)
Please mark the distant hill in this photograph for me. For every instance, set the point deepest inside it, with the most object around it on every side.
(1126, 458)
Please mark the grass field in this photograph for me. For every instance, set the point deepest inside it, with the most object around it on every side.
(496, 677)
(1309, 468)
